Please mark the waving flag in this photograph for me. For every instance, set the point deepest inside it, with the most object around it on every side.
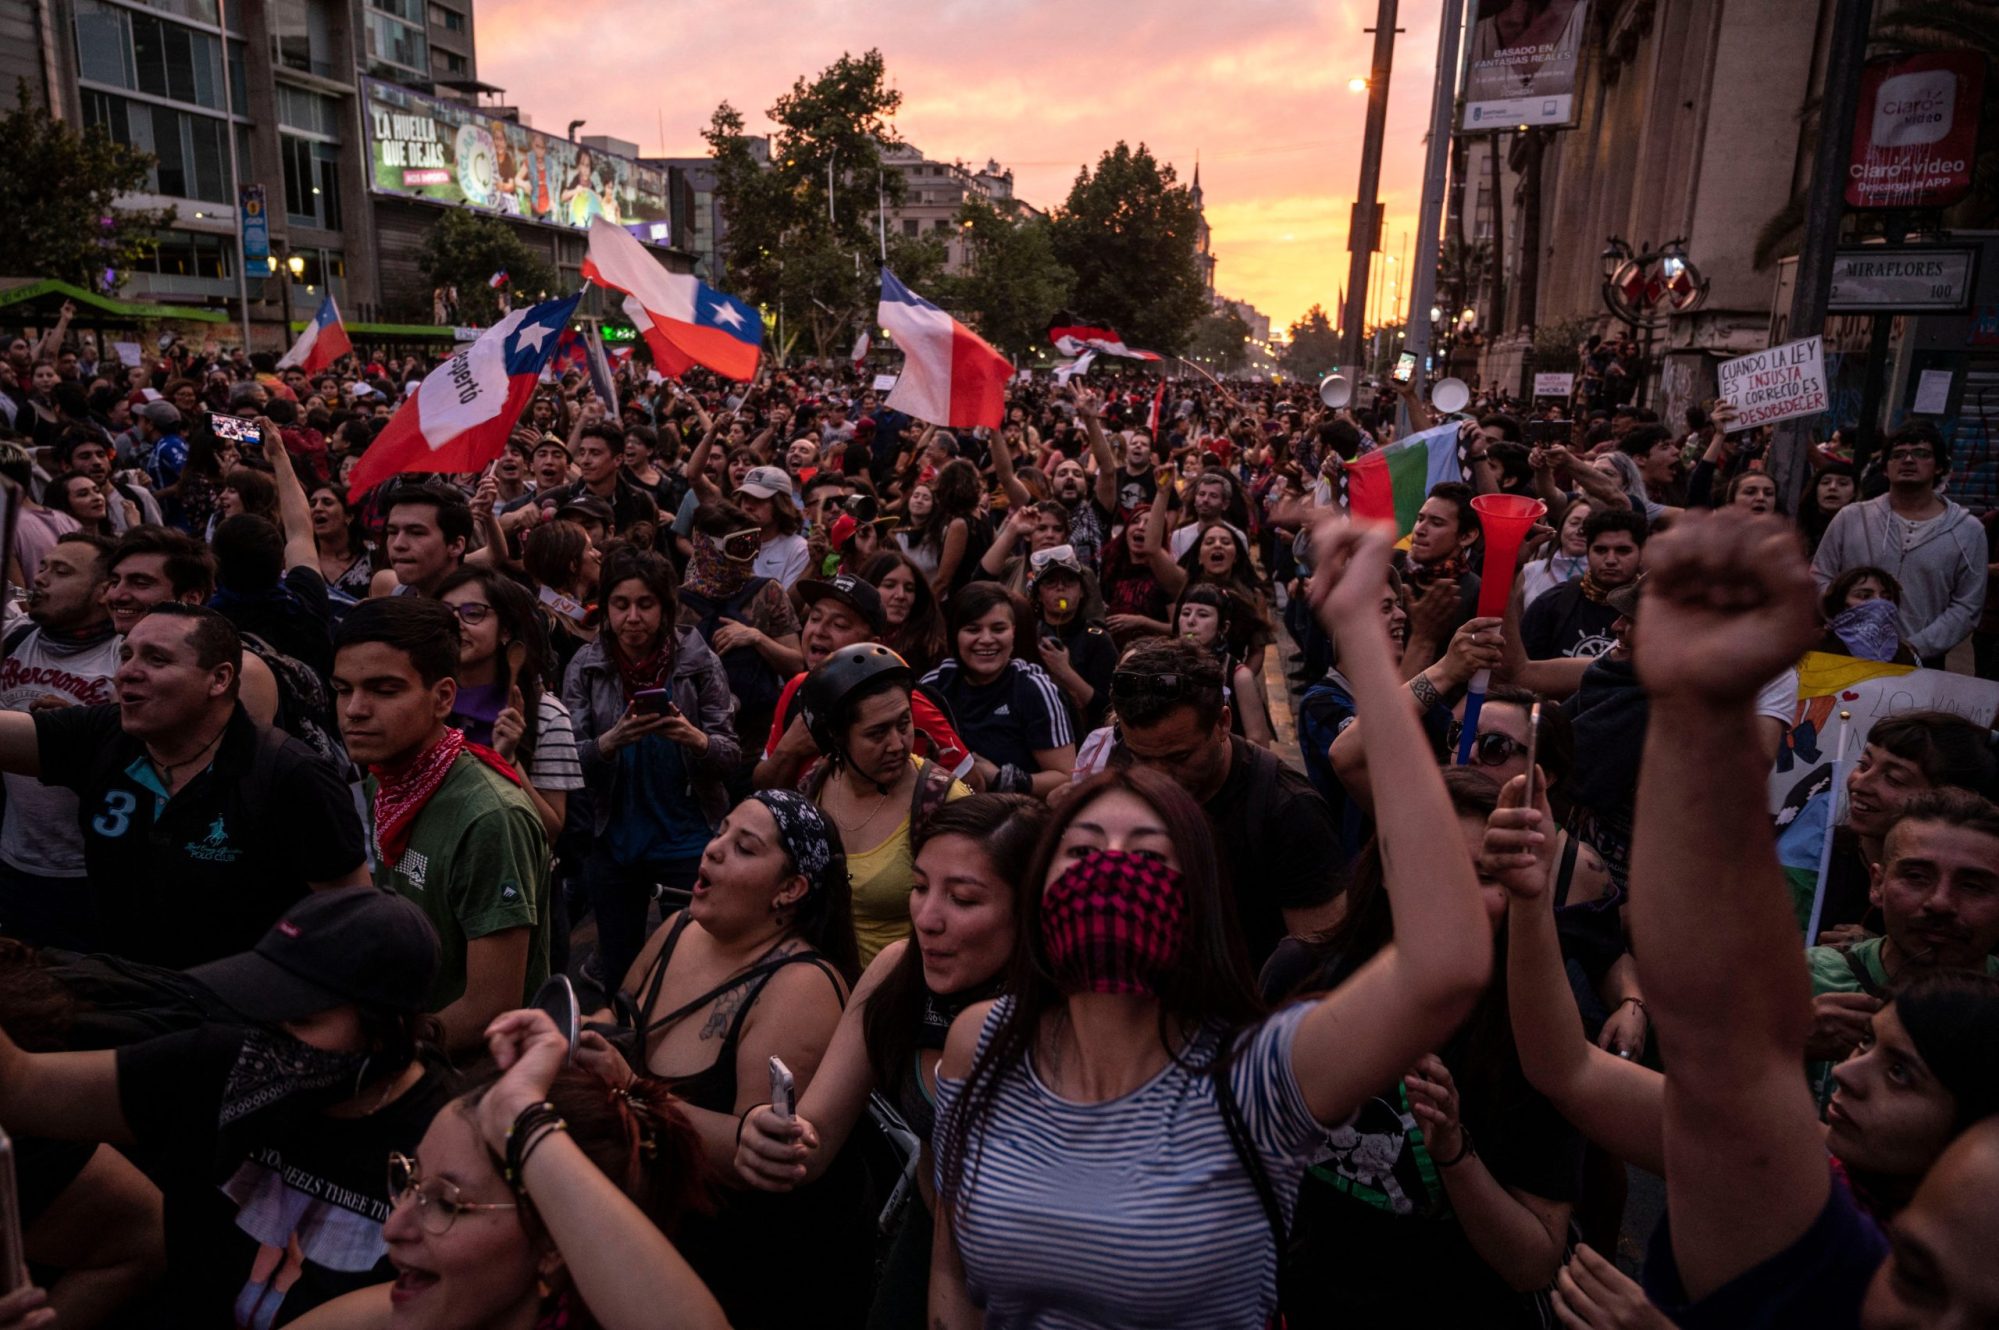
(601, 381)
(459, 416)
(861, 345)
(1073, 336)
(497, 280)
(683, 319)
(569, 354)
(323, 341)
(1390, 484)
(949, 377)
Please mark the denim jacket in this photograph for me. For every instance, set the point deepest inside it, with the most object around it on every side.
(595, 696)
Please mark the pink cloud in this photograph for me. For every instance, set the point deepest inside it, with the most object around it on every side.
(1257, 87)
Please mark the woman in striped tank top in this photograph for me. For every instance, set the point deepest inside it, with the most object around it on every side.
(1122, 1134)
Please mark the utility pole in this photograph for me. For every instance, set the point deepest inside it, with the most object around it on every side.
(1498, 325)
(1364, 230)
(235, 189)
(1824, 204)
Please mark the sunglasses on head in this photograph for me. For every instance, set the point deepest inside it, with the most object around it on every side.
(1131, 685)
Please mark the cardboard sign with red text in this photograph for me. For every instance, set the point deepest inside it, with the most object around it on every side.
(1781, 383)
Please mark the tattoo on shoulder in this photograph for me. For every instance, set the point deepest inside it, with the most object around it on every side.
(724, 1011)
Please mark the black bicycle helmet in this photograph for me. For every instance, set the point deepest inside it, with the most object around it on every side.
(823, 697)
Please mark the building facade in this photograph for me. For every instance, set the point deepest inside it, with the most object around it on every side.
(1691, 123)
(934, 193)
(293, 95)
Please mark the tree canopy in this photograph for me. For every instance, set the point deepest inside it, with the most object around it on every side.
(1127, 230)
(464, 250)
(73, 233)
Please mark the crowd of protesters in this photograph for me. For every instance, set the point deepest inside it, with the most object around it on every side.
(952, 944)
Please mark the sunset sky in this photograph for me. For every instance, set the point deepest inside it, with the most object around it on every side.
(1258, 87)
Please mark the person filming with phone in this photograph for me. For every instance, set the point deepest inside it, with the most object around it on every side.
(651, 706)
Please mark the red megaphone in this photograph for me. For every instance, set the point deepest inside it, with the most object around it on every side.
(1505, 519)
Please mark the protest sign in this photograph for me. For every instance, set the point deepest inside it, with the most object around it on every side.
(1554, 385)
(884, 382)
(1782, 383)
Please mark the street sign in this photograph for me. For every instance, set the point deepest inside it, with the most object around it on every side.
(1886, 280)
(256, 226)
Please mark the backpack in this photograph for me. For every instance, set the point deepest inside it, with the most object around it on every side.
(304, 710)
(755, 684)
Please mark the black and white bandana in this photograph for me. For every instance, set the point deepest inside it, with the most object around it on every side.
(809, 837)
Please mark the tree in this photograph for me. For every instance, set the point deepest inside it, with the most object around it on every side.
(1312, 347)
(1014, 280)
(464, 250)
(801, 239)
(58, 188)
(1461, 268)
(1127, 231)
(1221, 341)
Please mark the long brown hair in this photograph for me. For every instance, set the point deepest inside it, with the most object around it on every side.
(918, 639)
(1207, 997)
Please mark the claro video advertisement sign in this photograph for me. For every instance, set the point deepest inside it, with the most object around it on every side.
(1915, 135)
(447, 152)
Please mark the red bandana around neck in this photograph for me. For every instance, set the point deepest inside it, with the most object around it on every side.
(400, 798)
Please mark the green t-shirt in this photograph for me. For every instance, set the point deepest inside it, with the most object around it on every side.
(1833, 972)
(477, 863)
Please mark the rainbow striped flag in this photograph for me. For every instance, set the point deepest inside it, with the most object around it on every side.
(1390, 484)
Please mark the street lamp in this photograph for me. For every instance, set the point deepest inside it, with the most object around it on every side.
(1643, 290)
(294, 268)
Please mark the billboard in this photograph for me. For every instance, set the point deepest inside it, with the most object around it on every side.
(447, 152)
(1915, 132)
(1525, 59)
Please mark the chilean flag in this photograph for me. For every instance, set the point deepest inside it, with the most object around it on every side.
(949, 377)
(323, 341)
(683, 319)
(458, 418)
(1073, 336)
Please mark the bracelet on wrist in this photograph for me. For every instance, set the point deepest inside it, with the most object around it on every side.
(529, 1126)
(1425, 692)
(744, 1120)
(1464, 1150)
(1634, 1001)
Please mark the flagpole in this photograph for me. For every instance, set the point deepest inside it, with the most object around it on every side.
(1831, 825)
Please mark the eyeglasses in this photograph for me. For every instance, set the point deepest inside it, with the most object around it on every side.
(1918, 454)
(437, 1199)
(1130, 685)
(472, 612)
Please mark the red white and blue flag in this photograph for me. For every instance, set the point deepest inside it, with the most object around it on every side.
(323, 341)
(949, 376)
(459, 417)
(1073, 336)
(683, 320)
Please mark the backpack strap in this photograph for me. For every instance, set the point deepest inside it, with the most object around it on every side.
(1259, 1176)
(1861, 976)
(17, 636)
(932, 792)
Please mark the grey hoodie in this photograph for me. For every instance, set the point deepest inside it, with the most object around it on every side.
(1942, 575)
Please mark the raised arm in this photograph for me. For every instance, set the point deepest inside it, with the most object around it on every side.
(1728, 603)
(1612, 1100)
(301, 550)
(1408, 999)
(1172, 577)
(697, 461)
(1088, 406)
(1016, 493)
(627, 1272)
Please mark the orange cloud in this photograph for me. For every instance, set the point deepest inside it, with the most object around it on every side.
(1257, 87)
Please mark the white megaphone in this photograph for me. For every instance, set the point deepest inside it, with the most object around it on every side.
(1335, 391)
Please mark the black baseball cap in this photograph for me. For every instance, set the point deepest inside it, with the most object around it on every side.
(355, 946)
(855, 591)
